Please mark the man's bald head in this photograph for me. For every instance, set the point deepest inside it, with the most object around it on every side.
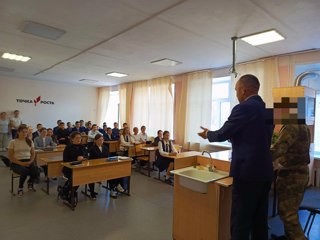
(250, 83)
(247, 86)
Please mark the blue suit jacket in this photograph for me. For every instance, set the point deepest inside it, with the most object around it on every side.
(250, 134)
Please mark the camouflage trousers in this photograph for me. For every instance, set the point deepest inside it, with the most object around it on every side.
(291, 185)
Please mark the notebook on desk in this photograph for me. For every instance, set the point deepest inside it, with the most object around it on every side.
(48, 148)
(117, 158)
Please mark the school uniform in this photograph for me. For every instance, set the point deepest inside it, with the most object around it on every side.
(165, 147)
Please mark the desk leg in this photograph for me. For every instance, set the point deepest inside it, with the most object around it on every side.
(47, 183)
(72, 198)
(129, 180)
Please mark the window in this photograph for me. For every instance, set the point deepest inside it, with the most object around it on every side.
(220, 101)
(113, 109)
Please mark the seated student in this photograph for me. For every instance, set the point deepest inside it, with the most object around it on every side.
(73, 152)
(99, 150)
(135, 136)
(62, 134)
(55, 129)
(76, 127)
(91, 134)
(69, 127)
(21, 154)
(115, 131)
(88, 127)
(143, 137)
(166, 148)
(43, 140)
(125, 141)
(83, 129)
(103, 130)
(50, 134)
(158, 138)
(37, 133)
(124, 125)
(108, 135)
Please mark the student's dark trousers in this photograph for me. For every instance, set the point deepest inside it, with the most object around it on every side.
(249, 212)
(24, 172)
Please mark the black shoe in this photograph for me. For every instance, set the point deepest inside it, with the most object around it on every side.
(168, 181)
(31, 188)
(275, 237)
(93, 196)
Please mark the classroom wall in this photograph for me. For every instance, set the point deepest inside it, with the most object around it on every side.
(67, 102)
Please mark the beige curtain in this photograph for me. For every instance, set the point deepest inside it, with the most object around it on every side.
(266, 71)
(180, 108)
(161, 105)
(198, 104)
(125, 97)
(140, 105)
(103, 100)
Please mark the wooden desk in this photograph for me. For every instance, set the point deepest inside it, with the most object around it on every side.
(46, 154)
(54, 168)
(113, 146)
(152, 155)
(98, 170)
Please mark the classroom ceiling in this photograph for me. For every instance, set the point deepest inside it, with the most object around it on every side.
(103, 36)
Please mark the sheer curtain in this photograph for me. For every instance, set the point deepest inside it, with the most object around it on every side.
(266, 71)
(103, 100)
(198, 104)
(180, 107)
(125, 99)
(161, 106)
(140, 105)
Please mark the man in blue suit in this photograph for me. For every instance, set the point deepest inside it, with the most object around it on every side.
(251, 167)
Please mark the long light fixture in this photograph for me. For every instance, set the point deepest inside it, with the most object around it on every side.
(15, 57)
(264, 37)
(116, 74)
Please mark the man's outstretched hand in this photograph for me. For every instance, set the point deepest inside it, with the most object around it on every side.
(204, 133)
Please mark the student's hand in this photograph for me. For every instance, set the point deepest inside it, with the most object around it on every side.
(80, 158)
(173, 154)
(204, 133)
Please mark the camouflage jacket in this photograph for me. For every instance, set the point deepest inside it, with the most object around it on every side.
(292, 147)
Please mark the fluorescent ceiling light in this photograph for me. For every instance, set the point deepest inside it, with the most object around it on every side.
(166, 62)
(15, 57)
(262, 37)
(116, 74)
(42, 30)
(88, 81)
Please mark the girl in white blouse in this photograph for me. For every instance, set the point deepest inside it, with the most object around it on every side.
(21, 154)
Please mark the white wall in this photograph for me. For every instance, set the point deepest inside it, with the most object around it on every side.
(71, 102)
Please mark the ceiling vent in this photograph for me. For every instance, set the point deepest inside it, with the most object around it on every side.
(88, 81)
(42, 30)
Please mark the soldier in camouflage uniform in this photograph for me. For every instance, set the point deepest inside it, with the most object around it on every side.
(291, 153)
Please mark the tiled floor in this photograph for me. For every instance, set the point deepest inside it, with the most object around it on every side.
(146, 214)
